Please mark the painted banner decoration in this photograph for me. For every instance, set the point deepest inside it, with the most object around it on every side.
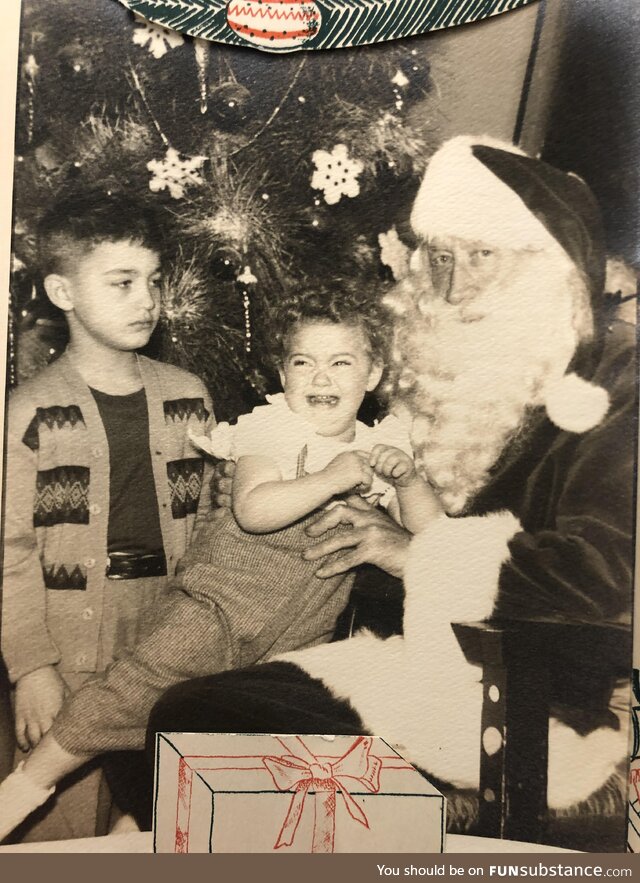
(289, 25)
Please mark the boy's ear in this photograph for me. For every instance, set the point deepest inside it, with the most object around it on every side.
(58, 291)
(375, 376)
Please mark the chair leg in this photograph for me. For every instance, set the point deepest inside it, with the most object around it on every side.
(492, 730)
(514, 752)
(526, 753)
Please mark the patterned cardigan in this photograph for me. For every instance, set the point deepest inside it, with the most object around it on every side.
(57, 506)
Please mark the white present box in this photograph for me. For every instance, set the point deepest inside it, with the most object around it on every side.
(257, 793)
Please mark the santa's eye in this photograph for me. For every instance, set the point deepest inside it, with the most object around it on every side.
(485, 252)
(441, 259)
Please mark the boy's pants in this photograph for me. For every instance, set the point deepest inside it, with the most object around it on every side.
(81, 805)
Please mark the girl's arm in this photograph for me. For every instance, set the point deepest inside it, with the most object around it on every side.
(416, 505)
(263, 501)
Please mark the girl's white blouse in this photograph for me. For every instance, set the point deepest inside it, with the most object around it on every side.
(275, 431)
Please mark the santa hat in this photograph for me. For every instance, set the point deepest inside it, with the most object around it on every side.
(487, 191)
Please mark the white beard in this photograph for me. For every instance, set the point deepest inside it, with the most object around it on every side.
(468, 374)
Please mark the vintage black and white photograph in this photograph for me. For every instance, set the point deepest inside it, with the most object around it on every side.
(321, 420)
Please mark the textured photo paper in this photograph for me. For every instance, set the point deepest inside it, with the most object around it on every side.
(402, 277)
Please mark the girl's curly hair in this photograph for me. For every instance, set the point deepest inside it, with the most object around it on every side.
(338, 302)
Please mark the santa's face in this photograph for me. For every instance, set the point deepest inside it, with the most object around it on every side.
(474, 276)
(486, 331)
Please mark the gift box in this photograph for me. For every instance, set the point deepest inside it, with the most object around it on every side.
(259, 793)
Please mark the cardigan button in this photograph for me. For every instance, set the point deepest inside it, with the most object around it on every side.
(97, 452)
(87, 614)
(90, 563)
(94, 509)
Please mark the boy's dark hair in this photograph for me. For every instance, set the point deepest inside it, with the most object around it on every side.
(339, 302)
(85, 220)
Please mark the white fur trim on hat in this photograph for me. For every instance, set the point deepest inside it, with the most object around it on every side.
(574, 404)
(460, 197)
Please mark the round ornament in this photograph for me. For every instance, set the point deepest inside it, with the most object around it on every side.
(275, 25)
(226, 262)
(75, 60)
(228, 105)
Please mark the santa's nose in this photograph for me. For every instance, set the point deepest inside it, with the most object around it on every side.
(461, 285)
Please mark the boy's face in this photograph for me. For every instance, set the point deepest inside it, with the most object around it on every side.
(111, 294)
(326, 372)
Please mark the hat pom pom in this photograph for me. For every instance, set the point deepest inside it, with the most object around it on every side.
(576, 405)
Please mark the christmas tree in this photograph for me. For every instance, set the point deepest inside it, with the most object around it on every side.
(269, 169)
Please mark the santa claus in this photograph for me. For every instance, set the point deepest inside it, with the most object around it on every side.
(521, 396)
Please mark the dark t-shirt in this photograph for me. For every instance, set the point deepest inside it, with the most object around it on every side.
(134, 520)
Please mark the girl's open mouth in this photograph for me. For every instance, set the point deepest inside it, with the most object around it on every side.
(328, 401)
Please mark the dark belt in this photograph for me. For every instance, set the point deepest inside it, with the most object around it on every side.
(125, 565)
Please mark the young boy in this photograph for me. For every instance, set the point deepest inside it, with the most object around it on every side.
(102, 483)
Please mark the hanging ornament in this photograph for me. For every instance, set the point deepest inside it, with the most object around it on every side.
(245, 279)
(175, 174)
(75, 61)
(336, 174)
(246, 305)
(226, 263)
(155, 38)
(399, 79)
(12, 352)
(394, 253)
(202, 53)
(229, 105)
(31, 70)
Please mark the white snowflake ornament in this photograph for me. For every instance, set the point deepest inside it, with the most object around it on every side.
(157, 39)
(175, 174)
(394, 253)
(336, 174)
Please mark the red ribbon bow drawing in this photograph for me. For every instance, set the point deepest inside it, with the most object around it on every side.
(301, 774)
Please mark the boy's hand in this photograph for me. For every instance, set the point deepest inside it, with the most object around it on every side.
(349, 471)
(39, 697)
(222, 483)
(394, 465)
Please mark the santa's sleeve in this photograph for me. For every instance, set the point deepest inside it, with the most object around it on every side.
(581, 569)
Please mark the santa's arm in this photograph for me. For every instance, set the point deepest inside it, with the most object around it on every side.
(580, 569)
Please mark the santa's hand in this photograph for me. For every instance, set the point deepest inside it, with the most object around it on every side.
(222, 483)
(39, 697)
(374, 539)
(393, 464)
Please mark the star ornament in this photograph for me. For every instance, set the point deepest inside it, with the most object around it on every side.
(336, 174)
(157, 39)
(175, 173)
